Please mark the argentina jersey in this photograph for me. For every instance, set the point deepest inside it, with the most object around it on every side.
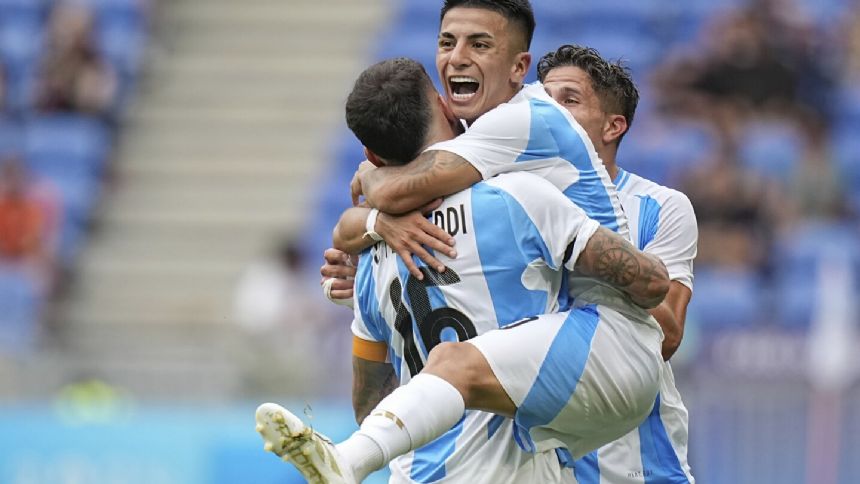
(662, 222)
(533, 133)
(513, 235)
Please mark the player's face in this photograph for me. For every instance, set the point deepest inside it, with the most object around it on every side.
(571, 87)
(478, 61)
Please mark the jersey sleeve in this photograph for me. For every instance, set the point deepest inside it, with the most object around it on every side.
(366, 316)
(548, 225)
(498, 141)
(675, 242)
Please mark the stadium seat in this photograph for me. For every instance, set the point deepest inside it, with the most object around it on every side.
(10, 137)
(66, 144)
(770, 149)
(796, 258)
(20, 305)
(20, 38)
(726, 298)
(663, 150)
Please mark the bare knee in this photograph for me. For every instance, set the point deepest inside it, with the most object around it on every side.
(464, 367)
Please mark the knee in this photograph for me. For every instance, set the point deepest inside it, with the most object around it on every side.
(457, 363)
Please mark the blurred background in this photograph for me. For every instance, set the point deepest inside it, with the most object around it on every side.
(171, 170)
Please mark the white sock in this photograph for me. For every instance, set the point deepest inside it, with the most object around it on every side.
(363, 454)
(408, 418)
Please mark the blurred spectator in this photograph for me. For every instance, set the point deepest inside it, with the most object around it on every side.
(755, 61)
(815, 188)
(273, 292)
(27, 222)
(73, 75)
(737, 214)
(851, 40)
(282, 309)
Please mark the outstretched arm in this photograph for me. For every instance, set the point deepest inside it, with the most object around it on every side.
(400, 189)
(612, 259)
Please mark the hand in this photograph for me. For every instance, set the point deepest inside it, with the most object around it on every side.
(339, 266)
(408, 234)
(355, 186)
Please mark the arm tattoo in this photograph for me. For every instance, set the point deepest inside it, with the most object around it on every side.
(371, 382)
(426, 167)
(612, 259)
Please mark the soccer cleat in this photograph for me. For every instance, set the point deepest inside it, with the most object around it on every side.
(313, 454)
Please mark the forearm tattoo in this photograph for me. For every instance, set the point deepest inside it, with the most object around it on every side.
(612, 259)
(371, 382)
(416, 177)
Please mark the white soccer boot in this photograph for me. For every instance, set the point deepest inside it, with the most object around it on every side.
(313, 454)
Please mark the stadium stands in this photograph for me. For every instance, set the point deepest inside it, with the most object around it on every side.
(65, 149)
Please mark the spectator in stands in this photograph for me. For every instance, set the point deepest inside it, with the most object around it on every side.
(755, 61)
(815, 189)
(73, 75)
(26, 223)
(737, 214)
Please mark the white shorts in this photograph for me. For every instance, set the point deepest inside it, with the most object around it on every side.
(580, 379)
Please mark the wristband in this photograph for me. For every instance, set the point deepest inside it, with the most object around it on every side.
(370, 226)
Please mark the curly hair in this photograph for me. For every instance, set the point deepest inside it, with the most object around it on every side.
(612, 81)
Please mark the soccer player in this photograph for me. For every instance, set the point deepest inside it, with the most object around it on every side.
(602, 97)
(516, 232)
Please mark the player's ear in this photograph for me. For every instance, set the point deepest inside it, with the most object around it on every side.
(371, 157)
(449, 114)
(615, 127)
(522, 62)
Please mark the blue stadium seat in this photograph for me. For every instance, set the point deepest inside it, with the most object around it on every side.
(66, 144)
(11, 135)
(121, 31)
(772, 150)
(662, 150)
(20, 305)
(20, 38)
(796, 259)
(726, 298)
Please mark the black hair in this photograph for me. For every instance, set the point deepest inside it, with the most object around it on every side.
(612, 81)
(517, 12)
(388, 109)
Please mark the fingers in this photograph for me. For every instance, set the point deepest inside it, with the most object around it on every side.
(437, 239)
(341, 293)
(337, 271)
(355, 190)
(334, 256)
(410, 264)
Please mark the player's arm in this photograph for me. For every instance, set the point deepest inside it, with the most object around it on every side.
(406, 234)
(372, 377)
(671, 314)
(400, 189)
(610, 258)
(675, 243)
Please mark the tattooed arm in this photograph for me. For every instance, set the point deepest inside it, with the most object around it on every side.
(371, 382)
(399, 189)
(610, 258)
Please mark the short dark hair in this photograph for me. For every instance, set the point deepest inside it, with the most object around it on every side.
(388, 109)
(517, 12)
(612, 81)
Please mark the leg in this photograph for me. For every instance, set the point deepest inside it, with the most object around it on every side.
(467, 370)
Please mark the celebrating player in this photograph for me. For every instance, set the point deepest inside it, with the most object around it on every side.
(602, 97)
(561, 373)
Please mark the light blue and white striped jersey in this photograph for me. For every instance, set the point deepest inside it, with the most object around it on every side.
(533, 133)
(514, 234)
(662, 222)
